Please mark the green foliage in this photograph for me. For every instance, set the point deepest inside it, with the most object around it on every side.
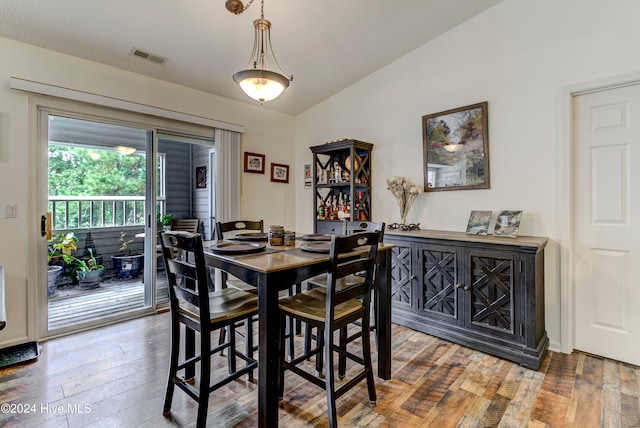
(74, 172)
(62, 245)
(85, 265)
(165, 219)
(124, 242)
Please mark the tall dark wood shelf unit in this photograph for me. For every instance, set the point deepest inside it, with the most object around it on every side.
(353, 156)
(483, 292)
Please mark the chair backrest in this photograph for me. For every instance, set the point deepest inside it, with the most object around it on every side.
(341, 265)
(238, 225)
(188, 280)
(185, 225)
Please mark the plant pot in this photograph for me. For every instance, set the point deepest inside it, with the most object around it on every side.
(127, 267)
(91, 279)
(53, 278)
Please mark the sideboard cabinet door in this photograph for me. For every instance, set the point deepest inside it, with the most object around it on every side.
(492, 298)
(439, 283)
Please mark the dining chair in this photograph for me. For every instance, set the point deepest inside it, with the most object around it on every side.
(223, 230)
(333, 309)
(185, 225)
(320, 281)
(195, 307)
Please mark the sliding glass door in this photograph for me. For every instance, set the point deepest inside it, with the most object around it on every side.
(101, 194)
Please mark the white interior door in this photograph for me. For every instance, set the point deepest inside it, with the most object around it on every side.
(607, 223)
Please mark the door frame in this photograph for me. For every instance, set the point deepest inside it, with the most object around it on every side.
(567, 196)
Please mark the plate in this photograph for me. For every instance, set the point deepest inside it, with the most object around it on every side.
(316, 247)
(251, 236)
(237, 247)
(317, 237)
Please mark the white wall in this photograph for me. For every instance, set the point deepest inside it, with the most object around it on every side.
(518, 56)
(267, 132)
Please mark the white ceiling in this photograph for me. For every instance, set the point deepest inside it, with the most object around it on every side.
(326, 44)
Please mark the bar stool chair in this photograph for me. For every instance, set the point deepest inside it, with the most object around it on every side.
(330, 310)
(199, 310)
(231, 281)
(320, 281)
(237, 226)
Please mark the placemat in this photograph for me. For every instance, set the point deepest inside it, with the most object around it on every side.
(267, 250)
(300, 253)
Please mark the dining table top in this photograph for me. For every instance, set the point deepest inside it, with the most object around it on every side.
(273, 258)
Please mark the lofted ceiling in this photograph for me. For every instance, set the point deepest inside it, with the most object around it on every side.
(326, 44)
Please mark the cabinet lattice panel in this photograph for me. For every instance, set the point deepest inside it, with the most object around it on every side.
(440, 278)
(492, 290)
(401, 275)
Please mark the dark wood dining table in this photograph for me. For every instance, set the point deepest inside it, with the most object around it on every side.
(273, 269)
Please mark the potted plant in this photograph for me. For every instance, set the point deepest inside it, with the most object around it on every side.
(89, 272)
(164, 220)
(127, 266)
(59, 255)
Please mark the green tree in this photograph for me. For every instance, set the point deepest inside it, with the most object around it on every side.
(78, 171)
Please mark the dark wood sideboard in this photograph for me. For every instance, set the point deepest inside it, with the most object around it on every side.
(483, 292)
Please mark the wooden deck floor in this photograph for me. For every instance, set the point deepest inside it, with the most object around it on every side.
(74, 305)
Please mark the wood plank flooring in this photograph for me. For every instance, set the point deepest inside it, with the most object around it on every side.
(115, 377)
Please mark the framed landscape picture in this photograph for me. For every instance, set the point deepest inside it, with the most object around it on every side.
(456, 149)
(253, 162)
(507, 224)
(279, 173)
(479, 222)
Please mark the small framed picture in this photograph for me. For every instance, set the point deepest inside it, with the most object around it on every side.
(254, 163)
(507, 224)
(307, 176)
(479, 222)
(201, 177)
(279, 173)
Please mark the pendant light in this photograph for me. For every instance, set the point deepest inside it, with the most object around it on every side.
(256, 80)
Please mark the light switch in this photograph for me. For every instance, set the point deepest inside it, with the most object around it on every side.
(10, 211)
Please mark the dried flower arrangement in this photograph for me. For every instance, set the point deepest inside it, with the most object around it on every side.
(405, 193)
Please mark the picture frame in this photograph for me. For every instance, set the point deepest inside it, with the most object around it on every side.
(201, 177)
(456, 149)
(279, 173)
(253, 163)
(507, 224)
(479, 223)
(307, 176)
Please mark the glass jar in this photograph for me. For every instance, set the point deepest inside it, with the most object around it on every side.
(276, 235)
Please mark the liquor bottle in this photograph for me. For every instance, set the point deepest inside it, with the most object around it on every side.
(321, 210)
(362, 213)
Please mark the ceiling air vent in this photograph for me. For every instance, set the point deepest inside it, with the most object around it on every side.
(156, 59)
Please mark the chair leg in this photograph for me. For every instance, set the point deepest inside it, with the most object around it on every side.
(231, 351)
(189, 346)
(205, 379)
(173, 366)
(248, 343)
(342, 360)
(366, 354)
(332, 413)
(281, 353)
(319, 356)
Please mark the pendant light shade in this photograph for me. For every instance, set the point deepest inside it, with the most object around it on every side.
(257, 81)
(261, 85)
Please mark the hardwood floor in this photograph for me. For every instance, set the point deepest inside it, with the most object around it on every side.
(115, 377)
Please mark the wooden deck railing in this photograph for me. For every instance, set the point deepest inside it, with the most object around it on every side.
(69, 212)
